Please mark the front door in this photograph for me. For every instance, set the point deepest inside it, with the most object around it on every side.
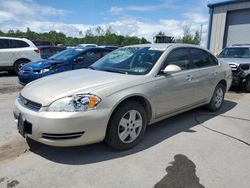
(174, 92)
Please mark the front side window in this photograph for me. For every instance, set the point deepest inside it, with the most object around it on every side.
(178, 57)
(200, 58)
(4, 43)
(129, 60)
(239, 52)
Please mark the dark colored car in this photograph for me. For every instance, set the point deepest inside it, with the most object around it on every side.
(48, 51)
(42, 42)
(70, 59)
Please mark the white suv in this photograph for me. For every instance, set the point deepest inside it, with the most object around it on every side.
(15, 52)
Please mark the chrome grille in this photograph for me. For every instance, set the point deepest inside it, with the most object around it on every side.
(29, 104)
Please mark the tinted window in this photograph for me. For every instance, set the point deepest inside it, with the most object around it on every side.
(92, 56)
(178, 57)
(4, 43)
(105, 53)
(214, 60)
(200, 58)
(18, 44)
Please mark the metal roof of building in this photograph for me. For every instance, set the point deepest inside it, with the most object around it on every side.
(212, 5)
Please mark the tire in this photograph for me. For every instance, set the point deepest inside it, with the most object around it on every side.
(247, 87)
(127, 126)
(18, 64)
(217, 99)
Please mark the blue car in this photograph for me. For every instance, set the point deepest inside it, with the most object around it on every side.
(69, 59)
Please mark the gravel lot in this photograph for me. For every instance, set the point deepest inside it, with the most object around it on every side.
(194, 149)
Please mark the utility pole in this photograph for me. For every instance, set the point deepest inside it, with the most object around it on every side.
(201, 33)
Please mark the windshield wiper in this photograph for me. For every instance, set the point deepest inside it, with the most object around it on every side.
(116, 71)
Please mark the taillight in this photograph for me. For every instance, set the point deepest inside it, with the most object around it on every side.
(37, 51)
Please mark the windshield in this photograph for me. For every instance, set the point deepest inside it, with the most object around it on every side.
(67, 54)
(235, 53)
(130, 60)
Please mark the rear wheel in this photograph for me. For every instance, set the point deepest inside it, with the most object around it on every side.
(127, 126)
(18, 65)
(218, 98)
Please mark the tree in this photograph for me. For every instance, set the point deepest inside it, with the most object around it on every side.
(100, 36)
(188, 37)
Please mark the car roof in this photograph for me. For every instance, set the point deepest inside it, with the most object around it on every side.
(14, 38)
(166, 45)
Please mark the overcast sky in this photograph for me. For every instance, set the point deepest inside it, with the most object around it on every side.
(142, 18)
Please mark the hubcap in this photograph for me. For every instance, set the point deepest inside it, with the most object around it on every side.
(20, 66)
(218, 97)
(130, 126)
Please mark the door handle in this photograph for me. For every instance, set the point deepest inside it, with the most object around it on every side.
(189, 78)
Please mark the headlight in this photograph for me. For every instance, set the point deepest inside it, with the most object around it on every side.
(76, 103)
(42, 71)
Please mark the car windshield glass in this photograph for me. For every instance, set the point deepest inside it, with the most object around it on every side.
(129, 60)
(235, 53)
(66, 54)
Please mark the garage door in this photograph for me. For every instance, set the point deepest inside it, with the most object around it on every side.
(237, 28)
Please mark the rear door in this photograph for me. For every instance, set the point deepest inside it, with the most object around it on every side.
(205, 73)
(174, 92)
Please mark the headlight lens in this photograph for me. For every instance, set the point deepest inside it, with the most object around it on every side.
(76, 103)
(42, 71)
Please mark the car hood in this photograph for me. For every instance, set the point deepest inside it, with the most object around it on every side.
(236, 61)
(50, 88)
(41, 64)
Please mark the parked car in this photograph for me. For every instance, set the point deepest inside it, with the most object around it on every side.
(238, 57)
(42, 43)
(120, 94)
(73, 58)
(48, 51)
(111, 47)
(86, 45)
(15, 52)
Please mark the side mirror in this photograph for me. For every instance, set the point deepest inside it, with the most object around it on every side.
(170, 69)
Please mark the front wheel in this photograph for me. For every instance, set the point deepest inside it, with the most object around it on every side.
(127, 126)
(218, 98)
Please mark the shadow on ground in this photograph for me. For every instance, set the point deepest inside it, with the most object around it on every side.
(180, 173)
(6, 74)
(155, 134)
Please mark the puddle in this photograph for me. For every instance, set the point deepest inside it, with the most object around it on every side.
(181, 173)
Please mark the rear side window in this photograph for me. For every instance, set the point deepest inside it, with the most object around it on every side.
(4, 43)
(178, 57)
(18, 44)
(201, 58)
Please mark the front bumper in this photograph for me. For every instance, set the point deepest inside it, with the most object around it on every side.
(64, 128)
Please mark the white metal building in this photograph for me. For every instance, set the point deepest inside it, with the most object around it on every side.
(229, 24)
